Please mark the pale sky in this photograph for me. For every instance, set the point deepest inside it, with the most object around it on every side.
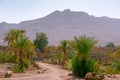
(15, 11)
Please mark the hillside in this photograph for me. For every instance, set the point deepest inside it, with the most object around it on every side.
(66, 24)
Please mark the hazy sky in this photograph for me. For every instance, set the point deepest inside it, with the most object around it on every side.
(15, 11)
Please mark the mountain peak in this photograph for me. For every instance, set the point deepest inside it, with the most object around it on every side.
(67, 10)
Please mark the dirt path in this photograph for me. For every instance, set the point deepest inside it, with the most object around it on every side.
(53, 72)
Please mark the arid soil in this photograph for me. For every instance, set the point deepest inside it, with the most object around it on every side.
(52, 72)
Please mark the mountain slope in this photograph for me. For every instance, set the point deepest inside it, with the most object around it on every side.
(66, 24)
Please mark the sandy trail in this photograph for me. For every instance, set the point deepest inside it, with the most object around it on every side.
(54, 72)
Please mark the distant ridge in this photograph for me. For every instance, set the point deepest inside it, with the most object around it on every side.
(66, 24)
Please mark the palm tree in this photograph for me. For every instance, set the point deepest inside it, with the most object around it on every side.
(23, 48)
(82, 45)
(13, 35)
(64, 47)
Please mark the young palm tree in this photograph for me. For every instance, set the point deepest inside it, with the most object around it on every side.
(82, 45)
(64, 47)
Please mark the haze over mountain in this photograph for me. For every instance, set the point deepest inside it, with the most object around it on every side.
(66, 24)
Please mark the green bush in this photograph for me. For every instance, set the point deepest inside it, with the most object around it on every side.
(26, 63)
(117, 65)
(71, 55)
(111, 70)
(68, 64)
(82, 66)
(20, 68)
(5, 57)
(16, 68)
(12, 58)
(56, 58)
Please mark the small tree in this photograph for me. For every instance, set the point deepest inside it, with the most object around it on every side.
(41, 41)
(64, 47)
(110, 45)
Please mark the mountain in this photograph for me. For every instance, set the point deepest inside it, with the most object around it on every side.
(66, 24)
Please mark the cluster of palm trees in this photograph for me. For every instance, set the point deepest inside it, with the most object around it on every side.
(23, 49)
(81, 61)
(19, 45)
(75, 53)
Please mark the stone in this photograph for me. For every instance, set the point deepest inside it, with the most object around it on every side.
(8, 74)
(36, 66)
(39, 71)
(1, 75)
(90, 76)
(70, 74)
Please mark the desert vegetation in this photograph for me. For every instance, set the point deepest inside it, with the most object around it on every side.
(80, 55)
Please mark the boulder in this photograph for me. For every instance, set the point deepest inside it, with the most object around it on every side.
(39, 71)
(1, 75)
(100, 77)
(36, 65)
(8, 74)
(90, 76)
(94, 76)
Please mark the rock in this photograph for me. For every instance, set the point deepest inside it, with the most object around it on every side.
(1, 75)
(9, 67)
(39, 71)
(100, 77)
(111, 76)
(36, 65)
(70, 74)
(31, 67)
(93, 76)
(8, 74)
(90, 76)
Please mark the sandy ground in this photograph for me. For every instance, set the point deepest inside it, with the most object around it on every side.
(53, 72)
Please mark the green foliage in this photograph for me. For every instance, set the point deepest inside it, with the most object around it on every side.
(5, 57)
(26, 63)
(82, 66)
(16, 68)
(56, 58)
(20, 48)
(81, 63)
(111, 70)
(71, 55)
(68, 64)
(41, 41)
(110, 45)
(13, 35)
(20, 68)
(64, 47)
(117, 65)
(24, 49)
(83, 44)
(114, 68)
